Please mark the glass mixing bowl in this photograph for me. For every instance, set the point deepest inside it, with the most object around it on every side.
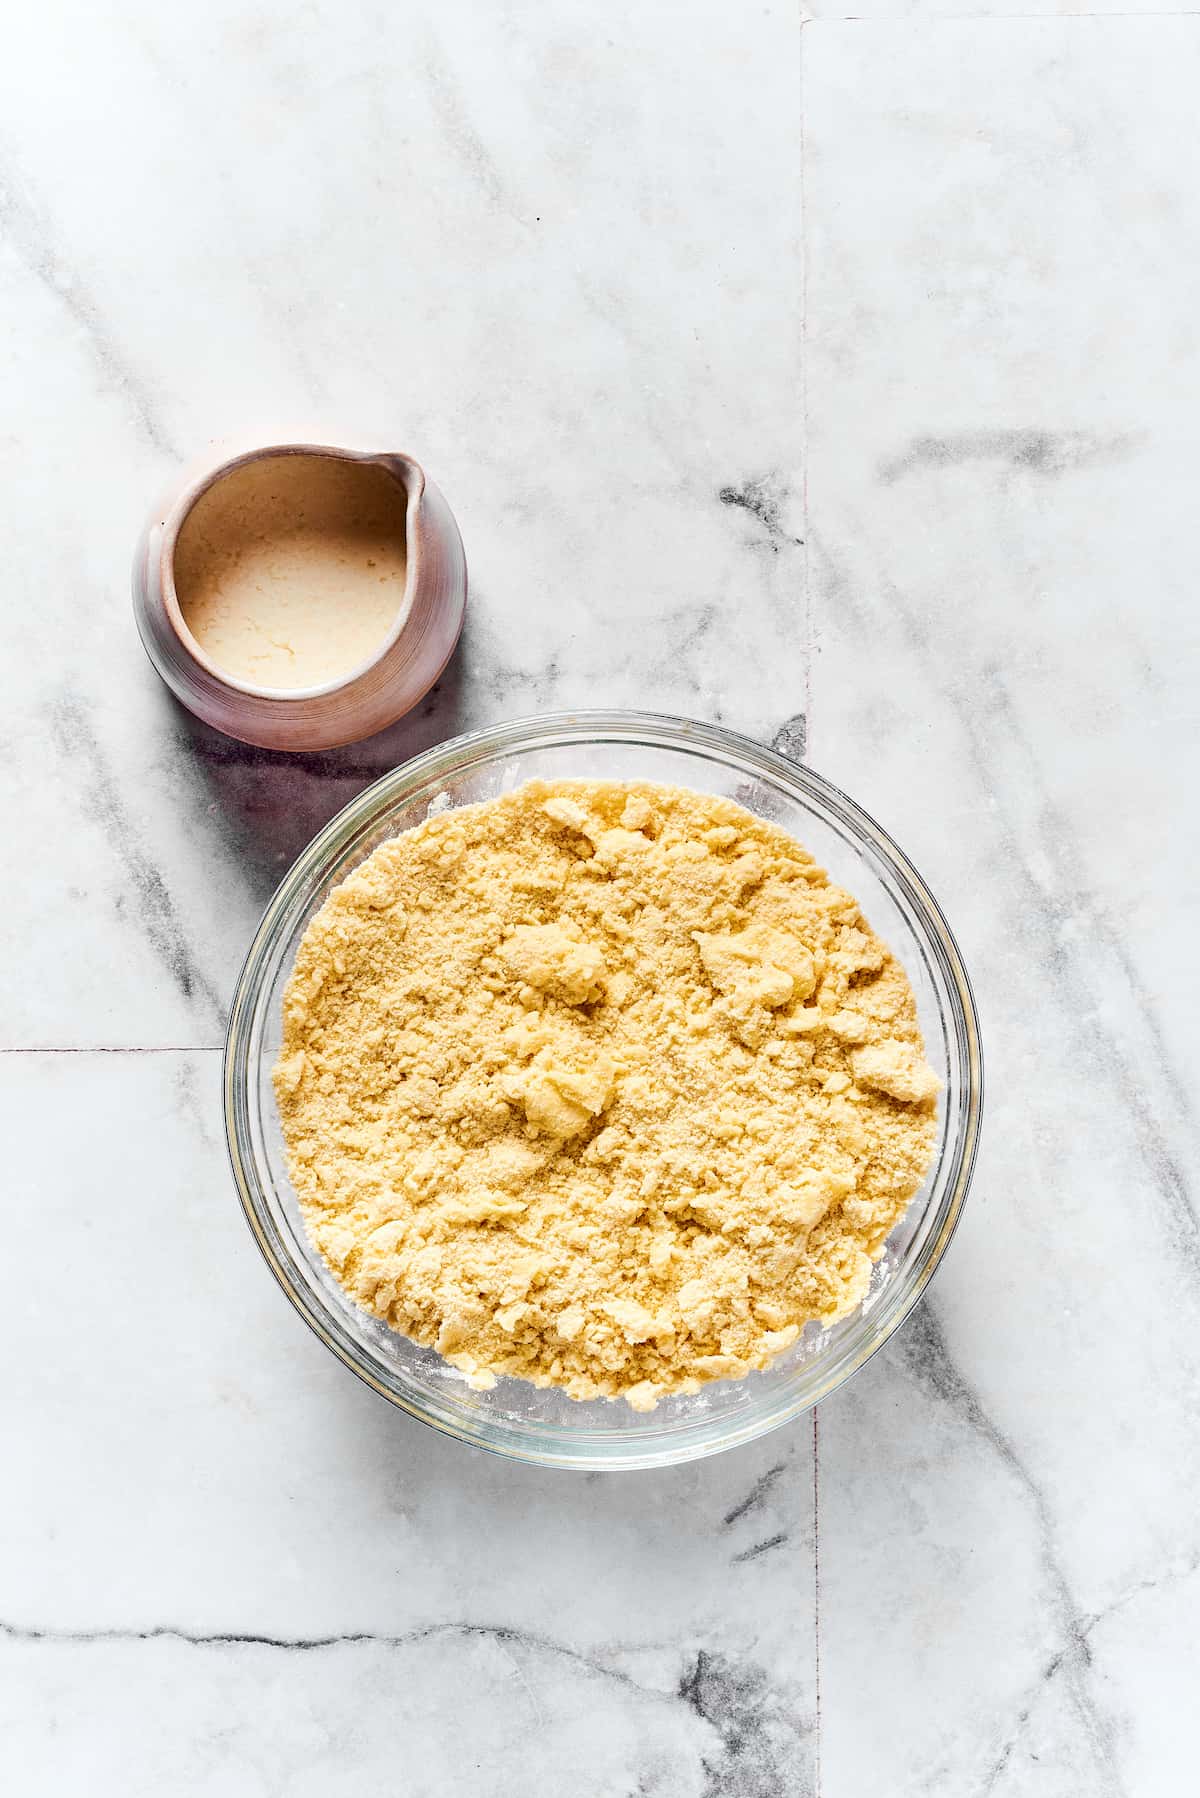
(516, 1418)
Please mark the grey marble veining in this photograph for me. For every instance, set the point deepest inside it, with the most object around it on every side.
(249, 1567)
(528, 250)
(1001, 430)
(832, 378)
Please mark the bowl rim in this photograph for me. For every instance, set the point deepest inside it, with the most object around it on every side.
(659, 730)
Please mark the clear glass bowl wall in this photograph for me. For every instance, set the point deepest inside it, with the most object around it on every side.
(515, 1418)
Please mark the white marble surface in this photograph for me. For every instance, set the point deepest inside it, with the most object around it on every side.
(656, 292)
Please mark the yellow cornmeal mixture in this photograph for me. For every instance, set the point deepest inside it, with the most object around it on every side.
(603, 1085)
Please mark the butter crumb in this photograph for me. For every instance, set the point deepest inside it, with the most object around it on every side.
(897, 1069)
(545, 957)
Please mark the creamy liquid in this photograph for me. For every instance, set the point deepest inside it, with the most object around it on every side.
(290, 571)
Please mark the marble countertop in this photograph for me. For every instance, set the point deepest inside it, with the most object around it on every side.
(825, 376)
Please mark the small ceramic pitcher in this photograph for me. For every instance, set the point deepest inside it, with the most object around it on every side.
(407, 663)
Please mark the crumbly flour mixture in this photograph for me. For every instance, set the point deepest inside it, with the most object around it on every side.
(603, 1085)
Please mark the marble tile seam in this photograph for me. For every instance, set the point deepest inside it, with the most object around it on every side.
(810, 655)
(816, 1507)
(801, 749)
